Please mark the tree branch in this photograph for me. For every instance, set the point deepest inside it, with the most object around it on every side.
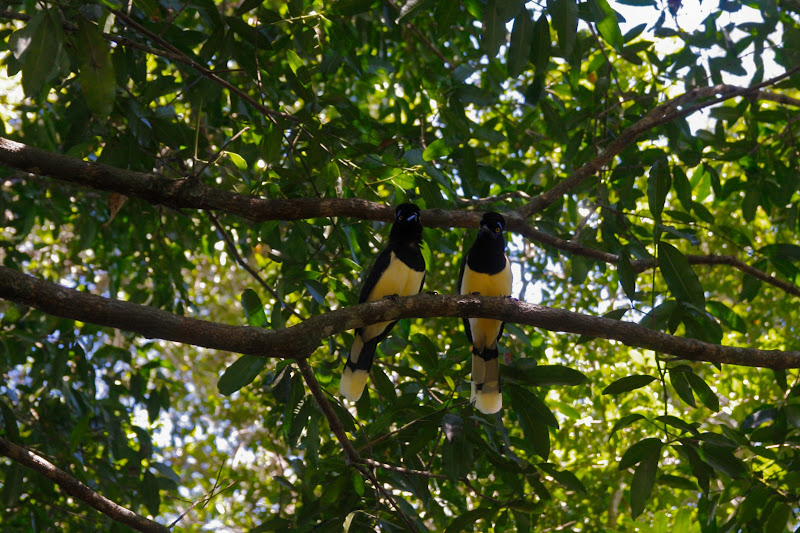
(78, 490)
(301, 340)
(576, 248)
(661, 114)
(189, 193)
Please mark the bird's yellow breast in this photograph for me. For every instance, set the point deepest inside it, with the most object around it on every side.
(398, 279)
(487, 284)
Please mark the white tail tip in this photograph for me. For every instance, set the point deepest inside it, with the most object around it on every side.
(352, 384)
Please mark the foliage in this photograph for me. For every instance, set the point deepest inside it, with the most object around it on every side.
(439, 103)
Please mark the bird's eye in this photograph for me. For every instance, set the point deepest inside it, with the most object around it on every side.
(497, 229)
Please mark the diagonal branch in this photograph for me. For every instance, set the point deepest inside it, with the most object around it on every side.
(78, 490)
(668, 111)
(299, 341)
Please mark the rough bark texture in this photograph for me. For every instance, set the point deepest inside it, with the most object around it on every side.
(301, 340)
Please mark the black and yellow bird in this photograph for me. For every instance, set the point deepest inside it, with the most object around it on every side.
(485, 269)
(398, 270)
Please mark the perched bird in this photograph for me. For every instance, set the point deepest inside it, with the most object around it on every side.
(485, 269)
(399, 270)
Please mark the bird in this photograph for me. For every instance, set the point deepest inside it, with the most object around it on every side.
(485, 270)
(399, 270)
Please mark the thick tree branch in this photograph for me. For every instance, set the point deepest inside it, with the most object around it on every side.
(300, 341)
(190, 193)
(148, 321)
(78, 490)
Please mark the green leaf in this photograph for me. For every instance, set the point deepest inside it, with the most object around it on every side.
(446, 12)
(150, 494)
(97, 77)
(519, 50)
(659, 182)
(627, 275)
(533, 403)
(11, 431)
(677, 423)
(494, 28)
(608, 25)
(639, 451)
(683, 188)
(358, 482)
(437, 149)
(238, 160)
(624, 422)
(541, 44)
(778, 518)
(703, 391)
(530, 420)
(750, 288)
(19, 42)
(241, 373)
(723, 460)
(786, 252)
(466, 521)
(166, 471)
(298, 67)
(681, 386)
(548, 375)
(628, 383)
(41, 55)
(457, 457)
(253, 309)
(564, 14)
(727, 316)
(644, 478)
(564, 477)
(683, 283)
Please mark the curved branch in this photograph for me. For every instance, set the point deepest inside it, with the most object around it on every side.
(661, 114)
(301, 340)
(78, 490)
(190, 193)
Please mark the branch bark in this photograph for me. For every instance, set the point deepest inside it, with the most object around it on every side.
(301, 340)
(190, 193)
(668, 111)
(78, 490)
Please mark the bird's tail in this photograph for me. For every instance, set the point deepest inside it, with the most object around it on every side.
(486, 381)
(356, 369)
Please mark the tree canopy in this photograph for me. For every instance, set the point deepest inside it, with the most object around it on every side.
(191, 191)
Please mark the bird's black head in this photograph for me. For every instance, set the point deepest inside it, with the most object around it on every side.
(407, 225)
(493, 224)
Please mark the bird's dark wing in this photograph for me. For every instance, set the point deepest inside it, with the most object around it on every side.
(380, 266)
(467, 330)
